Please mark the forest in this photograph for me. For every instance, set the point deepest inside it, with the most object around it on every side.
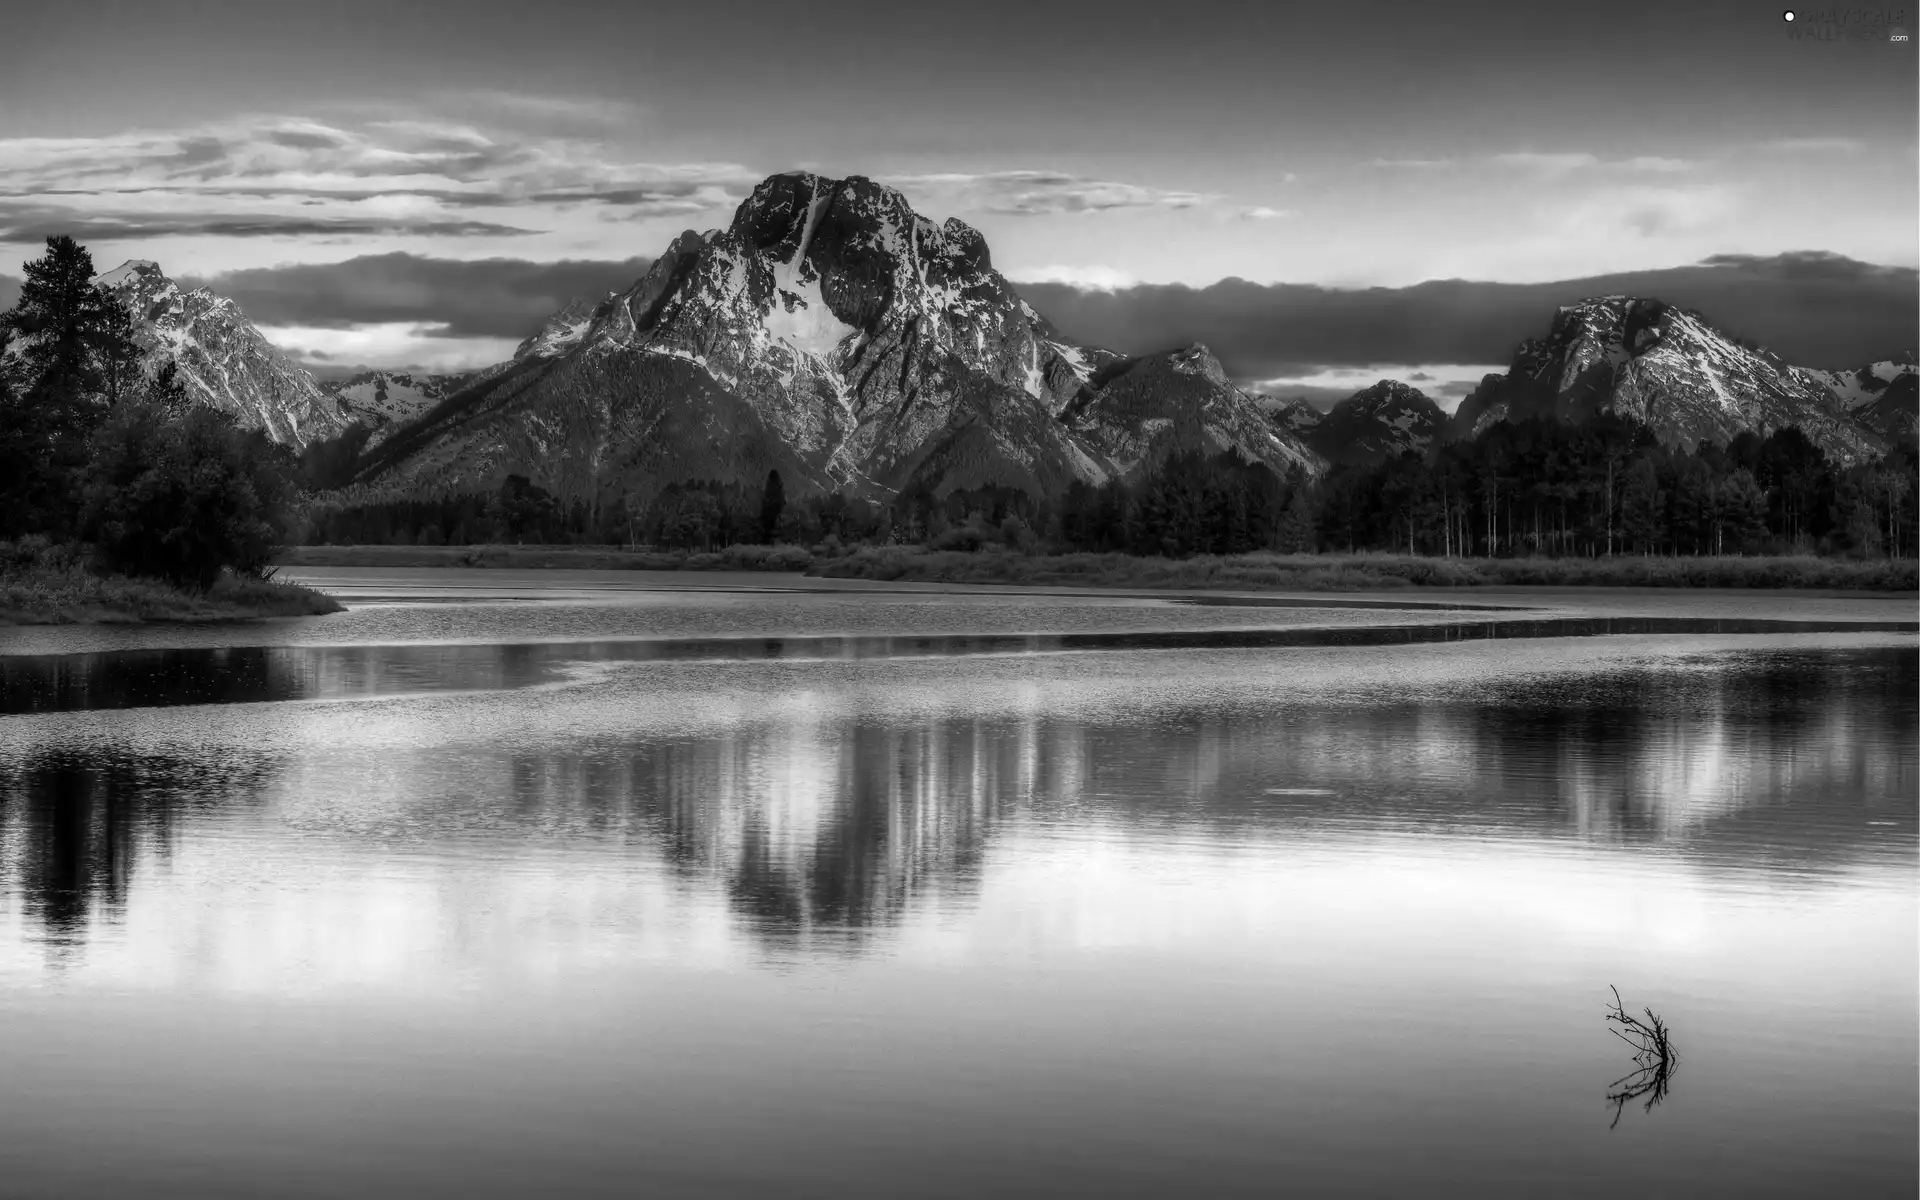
(1535, 489)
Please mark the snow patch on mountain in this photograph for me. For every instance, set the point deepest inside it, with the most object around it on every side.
(221, 359)
(1667, 368)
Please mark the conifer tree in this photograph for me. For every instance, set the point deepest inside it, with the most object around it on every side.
(773, 503)
(59, 324)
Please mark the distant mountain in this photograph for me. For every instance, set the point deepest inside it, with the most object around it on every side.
(1380, 422)
(1664, 366)
(222, 360)
(1137, 411)
(1290, 414)
(1883, 396)
(835, 335)
(385, 399)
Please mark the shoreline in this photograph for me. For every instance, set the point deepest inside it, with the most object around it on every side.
(71, 596)
(1248, 572)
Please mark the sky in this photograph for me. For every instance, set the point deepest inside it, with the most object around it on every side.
(401, 156)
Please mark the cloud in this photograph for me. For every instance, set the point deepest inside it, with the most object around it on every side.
(1262, 213)
(1815, 145)
(1038, 193)
(1655, 163)
(1556, 165)
(1411, 164)
(1812, 267)
(1647, 211)
(1090, 278)
(1546, 164)
(1324, 384)
(588, 115)
(1815, 310)
(399, 345)
(486, 298)
(23, 229)
(300, 177)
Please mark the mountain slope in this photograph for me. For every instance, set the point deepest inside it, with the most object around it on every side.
(1383, 421)
(385, 399)
(222, 360)
(1883, 396)
(1666, 367)
(1138, 411)
(561, 331)
(1289, 414)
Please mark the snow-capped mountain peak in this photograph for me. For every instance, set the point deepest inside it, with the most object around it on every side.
(1668, 368)
(832, 333)
(222, 360)
(1386, 420)
(127, 271)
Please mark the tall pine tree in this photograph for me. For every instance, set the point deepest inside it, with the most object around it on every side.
(773, 503)
(73, 358)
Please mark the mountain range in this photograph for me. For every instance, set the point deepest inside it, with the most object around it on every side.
(833, 334)
(1666, 367)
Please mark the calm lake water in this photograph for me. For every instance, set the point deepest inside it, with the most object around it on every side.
(492, 890)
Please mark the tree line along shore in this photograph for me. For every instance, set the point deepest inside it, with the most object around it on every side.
(1255, 570)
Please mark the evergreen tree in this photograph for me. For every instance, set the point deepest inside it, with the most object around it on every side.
(117, 356)
(1295, 534)
(72, 358)
(1642, 507)
(773, 504)
(1741, 513)
(60, 323)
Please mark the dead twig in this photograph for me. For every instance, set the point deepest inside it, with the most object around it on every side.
(1655, 1059)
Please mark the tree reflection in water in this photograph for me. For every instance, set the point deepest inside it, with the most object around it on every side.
(74, 824)
(823, 818)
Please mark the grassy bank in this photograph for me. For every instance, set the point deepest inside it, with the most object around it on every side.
(597, 558)
(1344, 573)
(35, 591)
(1302, 572)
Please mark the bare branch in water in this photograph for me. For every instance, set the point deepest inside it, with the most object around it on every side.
(1655, 1059)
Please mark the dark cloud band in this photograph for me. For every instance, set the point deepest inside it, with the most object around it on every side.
(495, 297)
(1814, 309)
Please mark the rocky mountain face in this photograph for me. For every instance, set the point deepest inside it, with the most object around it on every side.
(1883, 396)
(1292, 415)
(383, 400)
(1667, 367)
(1377, 423)
(1137, 411)
(562, 331)
(222, 360)
(833, 334)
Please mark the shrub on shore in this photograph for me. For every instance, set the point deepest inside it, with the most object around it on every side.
(1259, 570)
(43, 583)
(1320, 572)
(585, 558)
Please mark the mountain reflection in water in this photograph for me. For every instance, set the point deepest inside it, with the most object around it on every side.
(1122, 923)
(820, 828)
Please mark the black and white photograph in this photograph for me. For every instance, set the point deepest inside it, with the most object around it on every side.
(858, 599)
